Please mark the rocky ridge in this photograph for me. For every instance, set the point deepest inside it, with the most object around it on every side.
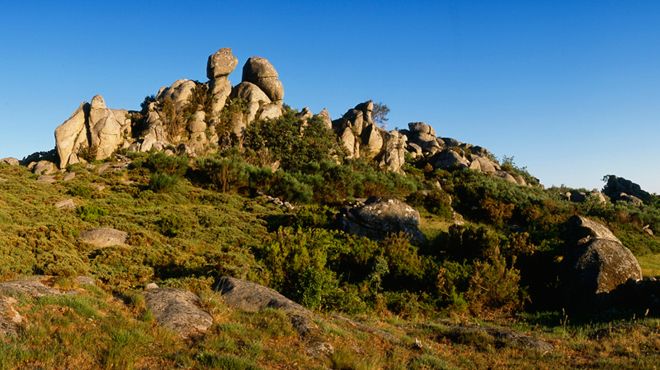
(196, 118)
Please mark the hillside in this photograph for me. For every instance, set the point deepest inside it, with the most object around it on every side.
(220, 228)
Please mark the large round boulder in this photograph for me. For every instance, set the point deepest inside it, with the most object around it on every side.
(260, 72)
(595, 263)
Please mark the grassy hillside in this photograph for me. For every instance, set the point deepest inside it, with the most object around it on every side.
(387, 304)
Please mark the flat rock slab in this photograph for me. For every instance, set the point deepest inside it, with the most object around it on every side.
(104, 237)
(31, 287)
(178, 310)
(252, 297)
(499, 337)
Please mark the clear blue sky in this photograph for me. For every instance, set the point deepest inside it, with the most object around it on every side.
(571, 88)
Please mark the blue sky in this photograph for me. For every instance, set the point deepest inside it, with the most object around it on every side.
(571, 89)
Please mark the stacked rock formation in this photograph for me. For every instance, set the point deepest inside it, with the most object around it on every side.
(220, 65)
(194, 118)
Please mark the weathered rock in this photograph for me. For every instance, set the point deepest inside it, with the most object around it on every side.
(10, 319)
(498, 337)
(393, 154)
(506, 177)
(449, 159)
(94, 128)
(69, 176)
(219, 66)
(179, 311)
(10, 161)
(377, 218)
(71, 135)
(255, 99)
(179, 93)
(596, 262)
(423, 135)
(220, 91)
(47, 179)
(260, 72)
(598, 197)
(270, 111)
(324, 116)
(251, 297)
(104, 237)
(32, 287)
(647, 229)
(106, 129)
(373, 141)
(44, 168)
(349, 141)
(66, 204)
(484, 165)
(221, 63)
(617, 185)
(623, 197)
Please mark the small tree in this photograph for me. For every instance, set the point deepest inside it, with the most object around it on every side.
(380, 113)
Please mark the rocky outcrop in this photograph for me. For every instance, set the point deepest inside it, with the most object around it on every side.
(94, 129)
(595, 262)
(219, 66)
(377, 218)
(424, 136)
(104, 237)
(178, 310)
(618, 188)
(362, 138)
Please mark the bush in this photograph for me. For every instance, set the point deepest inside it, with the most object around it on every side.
(160, 182)
(494, 286)
(90, 213)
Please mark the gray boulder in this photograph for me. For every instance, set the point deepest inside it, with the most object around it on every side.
(377, 218)
(178, 310)
(247, 296)
(449, 159)
(252, 297)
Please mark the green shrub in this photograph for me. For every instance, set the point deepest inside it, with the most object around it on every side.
(161, 182)
(494, 286)
(90, 212)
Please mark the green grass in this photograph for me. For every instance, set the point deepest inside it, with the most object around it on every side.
(650, 264)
